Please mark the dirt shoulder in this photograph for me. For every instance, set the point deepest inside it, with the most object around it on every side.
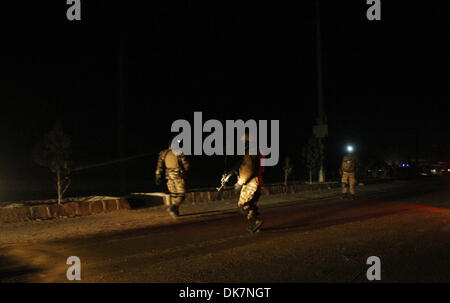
(122, 220)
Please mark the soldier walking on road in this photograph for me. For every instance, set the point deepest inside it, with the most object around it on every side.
(347, 171)
(174, 165)
(249, 183)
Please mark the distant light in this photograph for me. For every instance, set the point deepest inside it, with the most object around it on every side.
(349, 148)
(403, 165)
(448, 169)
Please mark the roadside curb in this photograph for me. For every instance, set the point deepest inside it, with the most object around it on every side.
(267, 190)
(68, 209)
(47, 211)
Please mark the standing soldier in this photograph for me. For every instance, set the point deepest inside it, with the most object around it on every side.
(249, 183)
(348, 170)
(175, 165)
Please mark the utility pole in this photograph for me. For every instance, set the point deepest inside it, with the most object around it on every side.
(120, 112)
(320, 114)
(320, 130)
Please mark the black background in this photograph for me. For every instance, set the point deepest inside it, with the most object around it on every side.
(386, 83)
(290, 292)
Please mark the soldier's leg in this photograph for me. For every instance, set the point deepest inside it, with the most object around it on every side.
(253, 203)
(178, 195)
(179, 192)
(352, 183)
(253, 216)
(180, 186)
(245, 203)
(170, 188)
(248, 200)
(344, 181)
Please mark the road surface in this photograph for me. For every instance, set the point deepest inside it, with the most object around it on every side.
(327, 240)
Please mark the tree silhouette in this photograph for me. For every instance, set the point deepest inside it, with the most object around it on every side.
(54, 152)
(287, 168)
(312, 153)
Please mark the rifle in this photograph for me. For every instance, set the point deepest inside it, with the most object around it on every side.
(223, 181)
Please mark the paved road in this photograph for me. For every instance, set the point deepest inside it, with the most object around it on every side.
(312, 241)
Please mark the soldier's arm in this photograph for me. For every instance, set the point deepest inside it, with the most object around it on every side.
(185, 162)
(235, 168)
(159, 165)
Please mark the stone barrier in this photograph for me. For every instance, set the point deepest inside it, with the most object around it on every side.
(45, 211)
(64, 210)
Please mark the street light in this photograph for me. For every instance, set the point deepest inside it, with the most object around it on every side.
(349, 148)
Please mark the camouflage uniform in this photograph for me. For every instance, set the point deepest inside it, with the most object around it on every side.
(249, 182)
(175, 168)
(250, 178)
(348, 172)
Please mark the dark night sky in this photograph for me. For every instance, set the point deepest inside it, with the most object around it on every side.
(384, 81)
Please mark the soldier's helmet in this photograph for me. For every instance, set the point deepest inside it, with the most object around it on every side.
(174, 145)
(249, 141)
(247, 137)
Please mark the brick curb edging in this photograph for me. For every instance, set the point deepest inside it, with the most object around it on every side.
(52, 211)
(267, 190)
(74, 209)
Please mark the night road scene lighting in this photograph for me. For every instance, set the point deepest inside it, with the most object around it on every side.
(224, 150)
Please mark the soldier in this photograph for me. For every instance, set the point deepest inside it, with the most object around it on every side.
(249, 183)
(348, 170)
(175, 165)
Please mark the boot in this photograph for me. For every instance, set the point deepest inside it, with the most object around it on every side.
(243, 211)
(173, 211)
(255, 225)
(344, 196)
